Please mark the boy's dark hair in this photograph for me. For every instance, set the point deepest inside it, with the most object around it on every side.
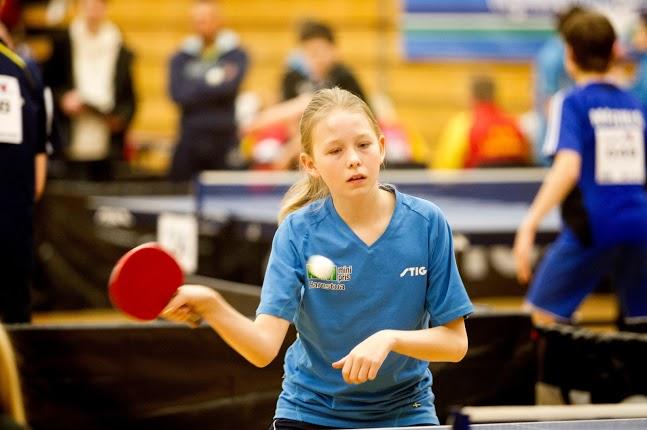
(590, 36)
(315, 30)
(562, 17)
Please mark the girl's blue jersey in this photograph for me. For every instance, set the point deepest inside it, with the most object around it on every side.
(406, 280)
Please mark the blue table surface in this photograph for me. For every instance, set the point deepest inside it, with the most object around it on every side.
(464, 214)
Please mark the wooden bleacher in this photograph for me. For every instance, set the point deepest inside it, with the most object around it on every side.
(425, 94)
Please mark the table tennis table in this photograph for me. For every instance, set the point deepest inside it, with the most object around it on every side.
(621, 424)
(484, 206)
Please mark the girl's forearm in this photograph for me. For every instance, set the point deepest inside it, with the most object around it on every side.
(443, 343)
(258, 341)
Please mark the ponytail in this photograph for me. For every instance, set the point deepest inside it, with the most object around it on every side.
(305, 190)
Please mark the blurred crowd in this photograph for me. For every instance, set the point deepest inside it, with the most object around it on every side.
(87, 77)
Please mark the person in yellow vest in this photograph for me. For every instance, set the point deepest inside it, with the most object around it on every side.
(485, 136)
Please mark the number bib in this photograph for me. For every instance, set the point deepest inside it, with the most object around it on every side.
(10, 110)
(619, 155)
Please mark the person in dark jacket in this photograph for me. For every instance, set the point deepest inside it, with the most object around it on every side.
(315, 66)
(90, 74)
(318, 66)
(22, 178)
(205, 76)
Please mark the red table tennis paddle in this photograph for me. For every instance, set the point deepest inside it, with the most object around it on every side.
(144, 280)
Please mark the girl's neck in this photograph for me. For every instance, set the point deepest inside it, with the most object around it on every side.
(363, 209)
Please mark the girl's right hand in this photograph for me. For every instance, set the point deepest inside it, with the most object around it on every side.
(189, 301)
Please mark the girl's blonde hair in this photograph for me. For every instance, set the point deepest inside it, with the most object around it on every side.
(308, 188)
(10, 392)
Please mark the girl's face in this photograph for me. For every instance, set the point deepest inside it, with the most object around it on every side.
(346, 153)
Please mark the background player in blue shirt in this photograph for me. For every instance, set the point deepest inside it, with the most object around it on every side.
(597, 136)
(367, 275)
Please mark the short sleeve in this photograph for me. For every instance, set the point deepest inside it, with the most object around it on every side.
(281, 291)
(564, 126)
(446, 297)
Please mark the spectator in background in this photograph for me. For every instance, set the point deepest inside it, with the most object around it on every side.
(639, 41)
(205, 77)
(22, 49)
(22, 179)
(486, 136)
(89, 72)
(12, 410)
(550, 77)
(318, 66)
(315, 66)
(296, 77)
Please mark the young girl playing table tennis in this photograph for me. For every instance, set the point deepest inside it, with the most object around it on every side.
(367, 275)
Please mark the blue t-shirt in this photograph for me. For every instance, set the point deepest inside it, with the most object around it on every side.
(406, 280)
(606, 126)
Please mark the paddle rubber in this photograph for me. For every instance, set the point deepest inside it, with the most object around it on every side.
(144, 280)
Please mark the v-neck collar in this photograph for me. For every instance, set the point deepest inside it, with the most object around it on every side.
(349, 231)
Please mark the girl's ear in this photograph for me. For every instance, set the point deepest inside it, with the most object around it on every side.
(381, 142)
(308, 165)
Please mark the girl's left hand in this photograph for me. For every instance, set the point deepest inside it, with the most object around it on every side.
(364, 361)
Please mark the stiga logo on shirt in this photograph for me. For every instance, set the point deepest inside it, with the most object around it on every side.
(414, 271)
